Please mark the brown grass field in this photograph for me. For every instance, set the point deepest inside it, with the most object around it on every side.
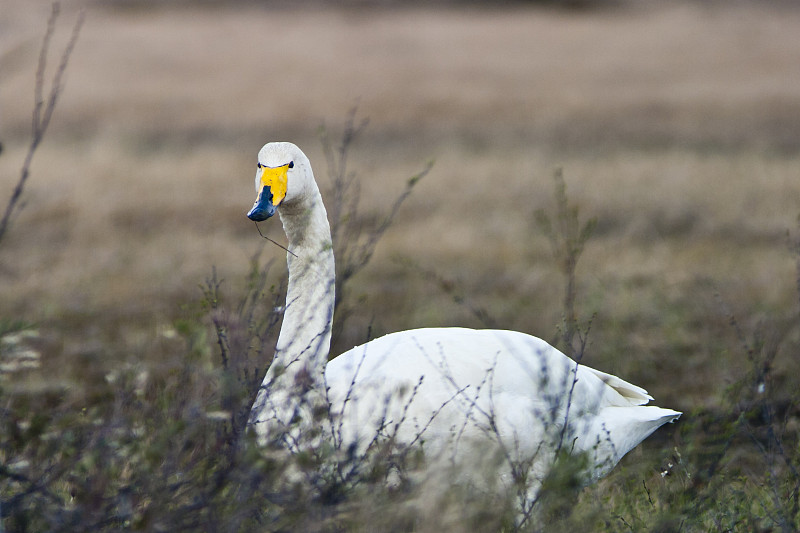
(677, 128)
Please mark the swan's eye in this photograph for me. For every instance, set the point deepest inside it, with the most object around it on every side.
(259, 165)
(291, 164)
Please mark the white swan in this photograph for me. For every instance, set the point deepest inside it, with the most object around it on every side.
(480, 399)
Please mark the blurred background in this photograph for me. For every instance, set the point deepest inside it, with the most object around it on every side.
(676, 124)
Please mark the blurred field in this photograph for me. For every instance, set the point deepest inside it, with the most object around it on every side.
(678, 128)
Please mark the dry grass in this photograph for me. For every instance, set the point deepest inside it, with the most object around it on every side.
(677, 129)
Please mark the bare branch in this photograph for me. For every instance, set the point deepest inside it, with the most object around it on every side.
(42, 109)
(567, 237)
(354, 236)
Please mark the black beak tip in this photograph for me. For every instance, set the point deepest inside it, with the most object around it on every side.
(263, 208)
(259, 213)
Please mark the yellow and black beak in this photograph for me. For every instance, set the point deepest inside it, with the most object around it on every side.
(272, 185)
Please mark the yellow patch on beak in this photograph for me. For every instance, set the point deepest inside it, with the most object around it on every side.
(276, 179)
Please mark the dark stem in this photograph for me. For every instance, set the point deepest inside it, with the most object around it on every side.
(42, 110)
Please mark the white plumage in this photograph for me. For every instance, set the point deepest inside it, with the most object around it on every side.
(476, 399)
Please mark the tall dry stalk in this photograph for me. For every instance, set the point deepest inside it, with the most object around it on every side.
(354, 236)
(42, 109)
(567, 238)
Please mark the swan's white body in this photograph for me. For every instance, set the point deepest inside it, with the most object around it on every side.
(477, 399)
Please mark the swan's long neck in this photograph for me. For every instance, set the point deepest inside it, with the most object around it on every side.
(304, 341)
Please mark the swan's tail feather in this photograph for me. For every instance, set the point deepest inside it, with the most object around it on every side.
(634, 394)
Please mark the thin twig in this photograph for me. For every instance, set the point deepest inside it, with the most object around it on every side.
(451, 288)
(273, 242)
(42, 110)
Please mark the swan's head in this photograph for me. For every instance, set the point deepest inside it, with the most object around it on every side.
(283, 176)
